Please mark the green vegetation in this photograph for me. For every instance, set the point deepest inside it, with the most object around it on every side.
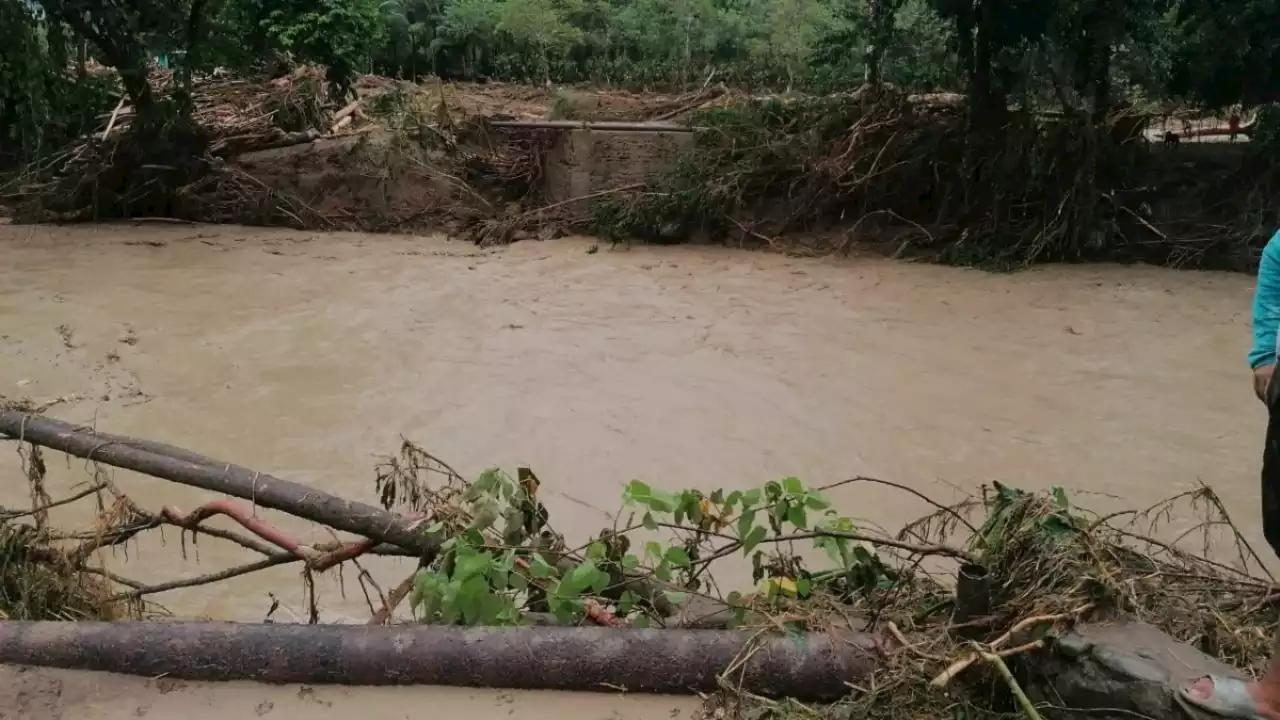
(486, 575)
(1028, 567)
(983, 179)
(1073, 53)
(780, 557)
(909, 176)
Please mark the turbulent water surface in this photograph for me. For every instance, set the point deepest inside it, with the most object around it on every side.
(311, 355)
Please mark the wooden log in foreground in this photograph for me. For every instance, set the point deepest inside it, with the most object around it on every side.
(814, 666)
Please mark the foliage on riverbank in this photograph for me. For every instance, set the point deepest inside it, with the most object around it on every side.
(1048, 564)
(917, 178)
(780, 557)
(914, 176)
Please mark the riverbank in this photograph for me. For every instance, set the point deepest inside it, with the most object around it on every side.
(1074, 610)
(905, 175)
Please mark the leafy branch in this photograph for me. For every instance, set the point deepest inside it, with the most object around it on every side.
(501, 564)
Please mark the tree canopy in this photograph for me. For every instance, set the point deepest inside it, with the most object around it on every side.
(1077, 55)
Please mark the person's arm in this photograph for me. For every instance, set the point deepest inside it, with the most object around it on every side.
(1266, 315)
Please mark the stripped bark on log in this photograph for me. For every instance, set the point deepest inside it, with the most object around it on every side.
(813, 666)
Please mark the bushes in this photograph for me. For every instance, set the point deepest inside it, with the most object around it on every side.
(919, 177)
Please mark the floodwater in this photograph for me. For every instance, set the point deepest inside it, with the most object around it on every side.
(310, 355)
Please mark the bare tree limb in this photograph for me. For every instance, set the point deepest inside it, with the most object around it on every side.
(190, 469)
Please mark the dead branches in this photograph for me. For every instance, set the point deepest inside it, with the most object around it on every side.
(123, 519)
(488, 555)
(190, 469)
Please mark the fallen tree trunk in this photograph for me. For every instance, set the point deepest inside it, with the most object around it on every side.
(807, 667)
(183, 466)
(188, 468)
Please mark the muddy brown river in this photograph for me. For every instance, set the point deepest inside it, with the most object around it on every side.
(310, 355)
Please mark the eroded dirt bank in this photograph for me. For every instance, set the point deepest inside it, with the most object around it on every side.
(309, 355)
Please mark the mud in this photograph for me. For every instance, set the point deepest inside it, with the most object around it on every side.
(41, 694)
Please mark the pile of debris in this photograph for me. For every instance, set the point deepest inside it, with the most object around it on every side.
(1053, 607)
(399, 155)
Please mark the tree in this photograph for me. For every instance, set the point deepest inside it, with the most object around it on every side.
(337, 34)
(117, 31)
(471, 27)
(796, 27)
(539, 29)
(1226, 51)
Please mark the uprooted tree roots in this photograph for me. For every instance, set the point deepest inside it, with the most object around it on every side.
(1032, 566)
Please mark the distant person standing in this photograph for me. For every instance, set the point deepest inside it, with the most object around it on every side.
(1231, 697)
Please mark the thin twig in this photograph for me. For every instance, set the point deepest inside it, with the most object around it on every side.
(13, 515)
(1240, 538)
(910, 491)
(588, 196)
(279, 559)
(942, 550)
(397, 596)
(964, 663)
(1023, 701)
(114, 114)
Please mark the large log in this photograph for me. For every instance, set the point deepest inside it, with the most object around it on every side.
(807, 666)
(183, 466)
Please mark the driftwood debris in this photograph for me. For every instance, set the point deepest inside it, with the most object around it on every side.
(807, 667)
(1019, 608)
(188, 468)
(183, 466)
(604, 125)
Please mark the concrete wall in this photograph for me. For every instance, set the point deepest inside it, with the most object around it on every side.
(587, 161)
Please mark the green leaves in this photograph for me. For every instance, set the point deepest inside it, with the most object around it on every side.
(746, 522)
(638, 493)
(796, 516)
(754, 537)
(472, 565)
(582, 578)
(485, 585)
(677, 556)
(539, 568)
(565, 598)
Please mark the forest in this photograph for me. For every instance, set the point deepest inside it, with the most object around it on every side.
(1076, 54)
(1011, 63)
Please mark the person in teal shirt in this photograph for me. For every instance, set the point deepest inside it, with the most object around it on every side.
(1232, 697)
(1266, 317)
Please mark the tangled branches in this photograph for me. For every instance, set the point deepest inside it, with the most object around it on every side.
(1035, 565)
(1051, 565)
(150, 162)
(918, 178)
